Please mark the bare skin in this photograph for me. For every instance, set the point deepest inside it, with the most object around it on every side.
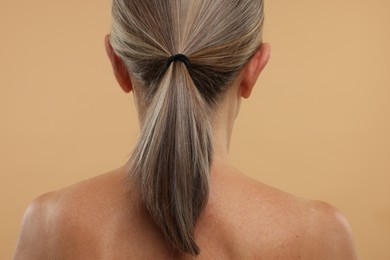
(102, 218)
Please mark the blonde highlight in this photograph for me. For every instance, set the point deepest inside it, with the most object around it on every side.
(171, 162)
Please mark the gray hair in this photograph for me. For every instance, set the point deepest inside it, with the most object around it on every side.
(171, 162)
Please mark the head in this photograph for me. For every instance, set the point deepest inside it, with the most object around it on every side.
(178, 105)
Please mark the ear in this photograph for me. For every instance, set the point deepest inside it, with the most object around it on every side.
(120, 70)
(253, 69)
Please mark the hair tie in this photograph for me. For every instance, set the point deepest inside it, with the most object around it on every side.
(178, 57)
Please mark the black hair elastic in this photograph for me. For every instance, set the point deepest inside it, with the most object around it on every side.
(178, 57)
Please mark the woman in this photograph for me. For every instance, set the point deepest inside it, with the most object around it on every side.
(188, 64)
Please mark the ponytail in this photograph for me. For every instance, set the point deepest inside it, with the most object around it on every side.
(171, 162)
(170, 165)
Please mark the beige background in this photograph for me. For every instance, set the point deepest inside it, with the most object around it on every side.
(317, 124)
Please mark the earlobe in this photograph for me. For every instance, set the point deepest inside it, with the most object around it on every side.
(253, 69)
(120, 71)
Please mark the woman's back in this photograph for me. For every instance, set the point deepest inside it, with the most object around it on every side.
(102, 219)
(189, 64)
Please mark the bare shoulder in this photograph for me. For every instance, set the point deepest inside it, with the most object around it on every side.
(315, 229)
(274, 224)
(51, 220)
(328, 233)
(35, 229)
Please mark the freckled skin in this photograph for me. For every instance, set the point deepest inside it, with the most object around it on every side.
(102, 219)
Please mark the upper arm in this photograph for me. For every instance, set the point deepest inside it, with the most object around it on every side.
(34, 236)
(330, 235)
